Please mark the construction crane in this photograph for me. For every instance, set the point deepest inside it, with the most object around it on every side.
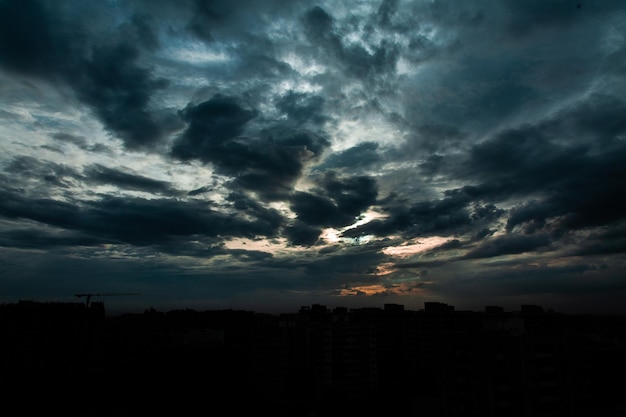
(89, 295)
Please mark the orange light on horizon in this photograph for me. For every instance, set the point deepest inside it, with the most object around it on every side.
(403, 288)
(362, 289)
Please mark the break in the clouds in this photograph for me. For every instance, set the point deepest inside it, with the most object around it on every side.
(273, 154)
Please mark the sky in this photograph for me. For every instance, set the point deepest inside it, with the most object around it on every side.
(267, 155)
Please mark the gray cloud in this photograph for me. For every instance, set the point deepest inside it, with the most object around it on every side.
(362, 155)
(511, 244)
(98, 174)
(35, 238)
(581, 181)
(267, 162)
(355, 59)
(302, 108)
(40, 174)
(211, 126)
(119, 91)
(32, 40)
(447, 216)
(42, 41)
(535, 15)
(301, 234)
(138, 221)
(338, 201)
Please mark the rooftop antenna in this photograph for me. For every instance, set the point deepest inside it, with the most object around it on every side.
(89, 295)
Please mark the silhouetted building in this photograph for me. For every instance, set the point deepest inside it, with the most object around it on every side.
(494, 310)
(48, 349)
(437, 307)
(532, 309)
(434, 362)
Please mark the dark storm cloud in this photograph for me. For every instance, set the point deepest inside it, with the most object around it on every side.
(477, 92)
(432, 165)
(528, 16)
(319, 211)
(583, 287)
(302, 107)
(242, 30)
(211, 127)
(77, 141)
(252, 207)
(508, 245)
(81, 143)
(359, 264)
(441, 216)
(522, 159)
(531, 15)
(487, 212)
(141, 26)
(567, 167)
(36, 238)
(451, 244)
(319, 26)
(599, 118)
(355, 59)
(42, 175)
(555, 49)
(482, 233)
(199, 191)
(39, 40)
(435, 138)
(99, 174)
(119, 91)
(456, 213)
(267, 162)
(605, 241)
(337, 202)
(32, 41)
(386, 10)
(362, 155)
(301, 234)
(24, 170)
(14, 205)
(213, 19)
(352, 195)
(207, 248)
(323, 272)
(145, 221)
(570, 167)
(253, 64)
(138, 221)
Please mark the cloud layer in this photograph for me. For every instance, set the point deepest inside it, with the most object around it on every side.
(273, 154)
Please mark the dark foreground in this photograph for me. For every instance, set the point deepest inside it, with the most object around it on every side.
(71, 359)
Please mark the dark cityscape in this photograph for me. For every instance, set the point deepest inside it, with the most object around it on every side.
(73, 359)
(312, 209)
